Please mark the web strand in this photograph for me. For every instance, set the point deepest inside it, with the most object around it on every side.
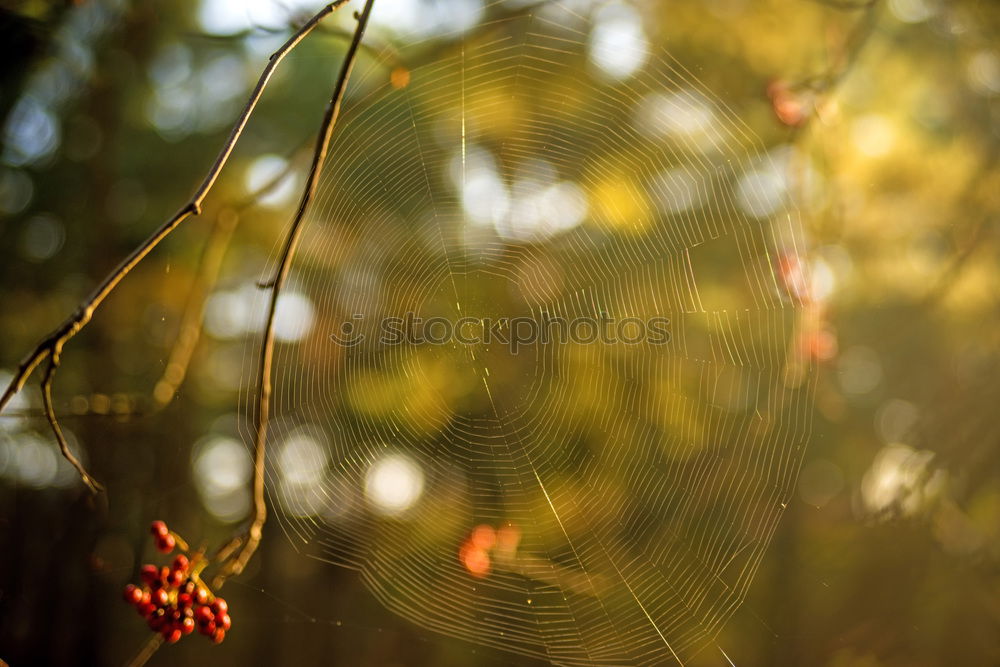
(638, 485)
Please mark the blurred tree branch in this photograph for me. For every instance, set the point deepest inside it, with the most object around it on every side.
(143, 404)
(241, 549)
(331, 31)
(189, 330)
(235, 554)
(50, 348)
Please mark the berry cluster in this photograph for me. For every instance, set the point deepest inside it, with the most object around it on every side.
(165, 540)
(174, 600)
(484, 541)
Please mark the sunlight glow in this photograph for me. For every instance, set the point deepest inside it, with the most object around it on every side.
(900, 477)
(233, 313)
(416, 18)
(224, 17)
(222, 468)
(29, 460)
(537, 205)
(393, 484)
(873, 135)
(680, 114)
(761, 192)
(302, 459)
(617, 42)
(262, 172)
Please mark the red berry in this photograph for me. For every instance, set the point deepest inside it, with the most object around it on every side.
(187, 625)
(176, 578)
(156, 620)
(159, 597)
(201, 595)
(158, 529)
(145, 609)
(181, 563)
(171, 635)
(165, 543)
(218, 636)
(133, 594)
(149, 574)
(204, 615)
(219, 606)
(184, 600)
(223, 621)
(164, 574)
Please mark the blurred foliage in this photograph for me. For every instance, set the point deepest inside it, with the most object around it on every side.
(881, 122)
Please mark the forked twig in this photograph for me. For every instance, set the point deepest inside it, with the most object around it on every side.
(163, 391)
(50, 414)
(189, 330)
(241, 548)
(51, 346)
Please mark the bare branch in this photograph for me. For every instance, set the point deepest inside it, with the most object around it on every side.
(244, 550)
(50, 414)
(378, 50)
(148, 649)
(209, 265)
(189, 330)
(51, 346)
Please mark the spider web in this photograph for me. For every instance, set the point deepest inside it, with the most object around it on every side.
(629, 492)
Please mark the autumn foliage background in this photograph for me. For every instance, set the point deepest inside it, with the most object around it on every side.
(883, 120)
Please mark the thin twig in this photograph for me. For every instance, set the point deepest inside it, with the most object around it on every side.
(51, 346)
(148, 649)
(50, 414)
(850, 51)
(244, 550)
(189, 330)
(378, 50)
